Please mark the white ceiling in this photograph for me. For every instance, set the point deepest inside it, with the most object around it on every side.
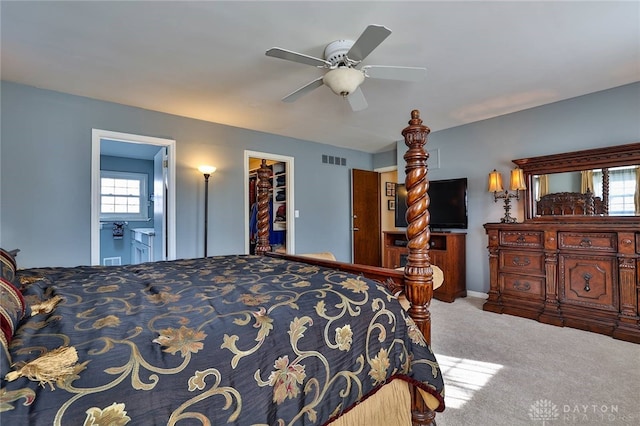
(206, 59)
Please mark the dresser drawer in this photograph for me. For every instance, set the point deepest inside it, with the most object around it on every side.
(592, 241)
(588, 281)
(533, 239)
(522, 286)
(521, 261)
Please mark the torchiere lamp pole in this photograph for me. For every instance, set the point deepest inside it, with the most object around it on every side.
(206, 170)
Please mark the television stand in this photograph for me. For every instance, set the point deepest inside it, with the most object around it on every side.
(447, 250)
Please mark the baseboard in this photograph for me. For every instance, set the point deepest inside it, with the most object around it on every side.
(477, 294)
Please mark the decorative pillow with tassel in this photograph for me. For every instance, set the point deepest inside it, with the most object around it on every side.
(5, 356)
(7, 265)
(12, 310)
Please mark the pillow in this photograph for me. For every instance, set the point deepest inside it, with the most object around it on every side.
(5, 357)
(322, 255)
(8, 265)
(12, 310)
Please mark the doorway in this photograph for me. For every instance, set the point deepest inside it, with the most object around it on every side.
(157, 231)
(365, 204)
(282, 201)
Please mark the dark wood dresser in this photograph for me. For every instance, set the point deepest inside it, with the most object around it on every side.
(580, 275)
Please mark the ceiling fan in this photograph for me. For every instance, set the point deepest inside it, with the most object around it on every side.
(343, 60)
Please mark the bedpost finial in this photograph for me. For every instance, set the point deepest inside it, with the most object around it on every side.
(415, 128)
(415, 118)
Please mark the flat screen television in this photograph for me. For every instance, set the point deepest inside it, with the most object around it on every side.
(448, 206)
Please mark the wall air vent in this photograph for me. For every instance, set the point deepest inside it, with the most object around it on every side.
(336, 161)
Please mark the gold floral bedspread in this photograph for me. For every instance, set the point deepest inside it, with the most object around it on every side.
(240, 340)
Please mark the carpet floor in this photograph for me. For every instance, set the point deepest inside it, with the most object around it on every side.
(506, 370)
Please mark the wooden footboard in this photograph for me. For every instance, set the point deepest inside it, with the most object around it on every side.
(391, 278)
(416, 282)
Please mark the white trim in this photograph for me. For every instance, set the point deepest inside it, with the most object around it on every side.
(386, 169)
(96, 136)
(291, 249)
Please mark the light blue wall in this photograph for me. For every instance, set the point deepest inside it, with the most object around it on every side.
(610, 117)
(566, 182)
(46, 168)
(384, 159)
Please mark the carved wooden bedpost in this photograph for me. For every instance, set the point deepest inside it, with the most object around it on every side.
(605, 191)
(418, 274)
(264, 185)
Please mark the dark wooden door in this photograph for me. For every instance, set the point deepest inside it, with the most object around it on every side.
(365, 202)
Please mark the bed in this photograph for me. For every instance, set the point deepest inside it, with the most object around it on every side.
(265, 339)
(570, 203)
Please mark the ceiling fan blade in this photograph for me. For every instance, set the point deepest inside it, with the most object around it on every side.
(356, 100)
(303, 90)
(395, 73)
(372, 36)
(289, 55)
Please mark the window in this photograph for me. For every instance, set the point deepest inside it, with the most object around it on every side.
(622, 187)
(123, 196)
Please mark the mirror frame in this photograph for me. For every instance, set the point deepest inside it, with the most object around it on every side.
(611, 156)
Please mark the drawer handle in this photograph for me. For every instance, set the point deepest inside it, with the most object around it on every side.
(585, 242)
(587, 277)
(521, 238)
(524, 262)
(521, 286)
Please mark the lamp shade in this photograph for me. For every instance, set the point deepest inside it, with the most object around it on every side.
(517, 180)
(343, 80)
(207, 170)
(495, 181)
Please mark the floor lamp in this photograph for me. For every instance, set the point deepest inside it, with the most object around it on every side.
(206, 170)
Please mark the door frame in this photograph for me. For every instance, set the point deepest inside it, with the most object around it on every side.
(97, 135)
(291, 234)
(160, 188)
(383, 204)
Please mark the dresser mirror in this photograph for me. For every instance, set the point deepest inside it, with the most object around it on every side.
(600, 184)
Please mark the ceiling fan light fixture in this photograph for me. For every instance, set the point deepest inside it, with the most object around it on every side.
(343, 80)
